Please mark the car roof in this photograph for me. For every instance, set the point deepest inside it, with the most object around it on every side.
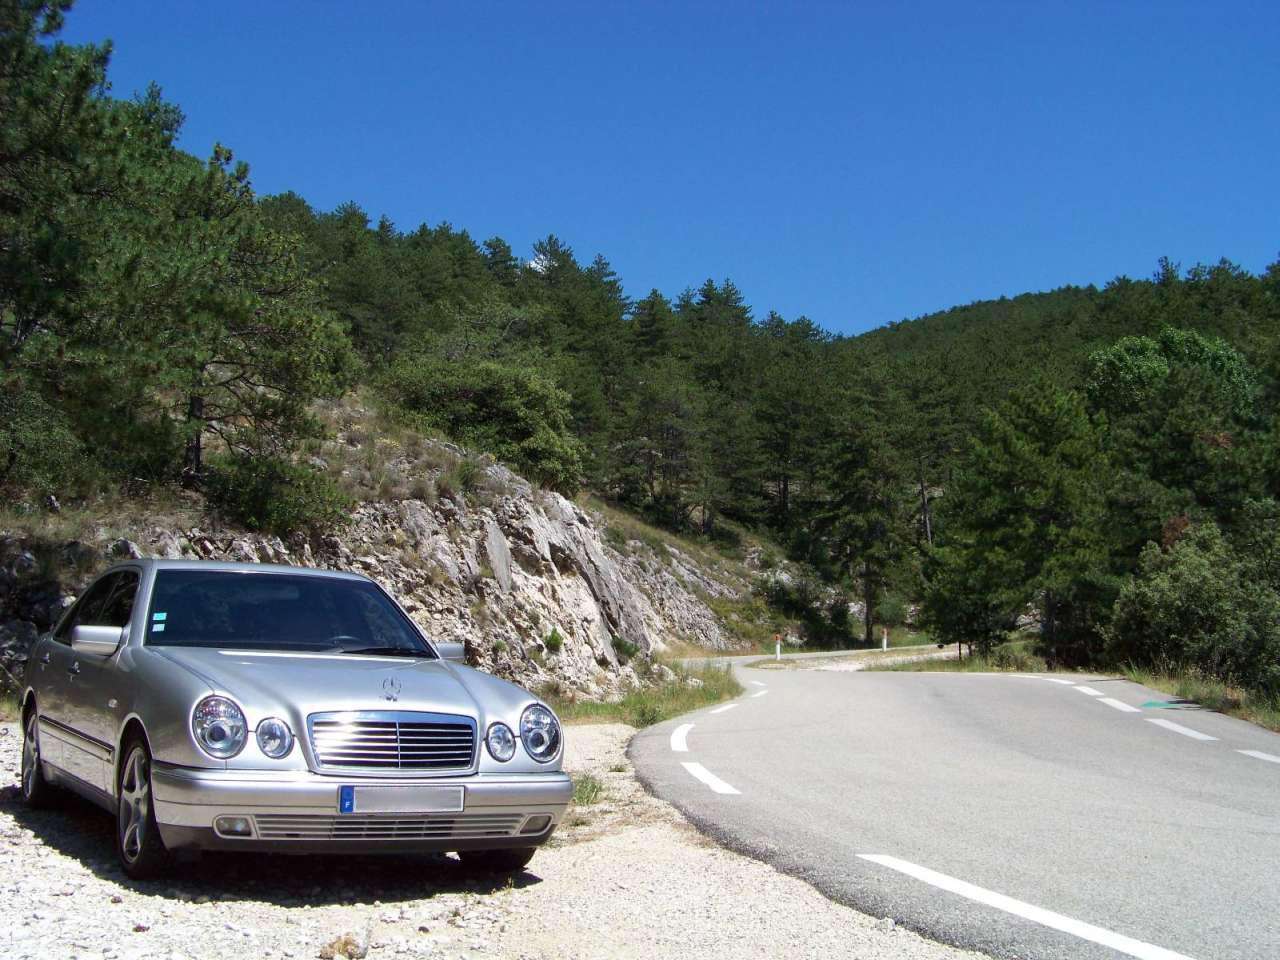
(238, 566)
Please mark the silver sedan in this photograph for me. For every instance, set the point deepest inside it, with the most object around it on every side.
(220, 706)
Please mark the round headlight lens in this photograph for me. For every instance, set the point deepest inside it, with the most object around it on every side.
(219, 727)
(275, 739)
(501, 742)
(540, 733)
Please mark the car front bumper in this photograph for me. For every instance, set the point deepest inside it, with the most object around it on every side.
(299, 812)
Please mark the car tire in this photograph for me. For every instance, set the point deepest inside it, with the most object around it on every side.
(37, 792)
(139, 846)
(497, 861)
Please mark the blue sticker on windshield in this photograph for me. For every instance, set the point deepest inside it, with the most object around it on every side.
(159, 617)
(157, 628)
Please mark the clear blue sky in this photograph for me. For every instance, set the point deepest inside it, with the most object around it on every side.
(857, 163)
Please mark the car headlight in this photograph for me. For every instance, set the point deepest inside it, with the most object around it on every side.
(275, 739)
(501, 742)
(540, 733)
(219, 727)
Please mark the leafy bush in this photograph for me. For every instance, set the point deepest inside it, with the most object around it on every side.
(274, 495)
(1197, 605)
(892, 610)
(39, 452)
(624, 648)
(510, 409)
(553, 641)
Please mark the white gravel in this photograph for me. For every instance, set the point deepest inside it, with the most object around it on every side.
(626, 877)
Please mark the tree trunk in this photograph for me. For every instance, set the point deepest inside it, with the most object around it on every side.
(1049, 626)
(924, 510)
(193, 458)
(868, 604)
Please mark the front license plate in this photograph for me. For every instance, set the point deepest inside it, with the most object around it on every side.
(406, 799)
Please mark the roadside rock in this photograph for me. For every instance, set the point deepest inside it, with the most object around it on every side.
(499, 570)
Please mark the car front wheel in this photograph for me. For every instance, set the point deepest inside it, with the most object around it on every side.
(138, 844)
(36, 789)
(497, 861)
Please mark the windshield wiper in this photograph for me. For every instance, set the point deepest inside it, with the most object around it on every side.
(390, 652)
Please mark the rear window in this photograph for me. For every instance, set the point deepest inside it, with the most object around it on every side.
(275, 611)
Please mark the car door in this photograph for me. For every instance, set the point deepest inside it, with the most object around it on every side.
(96, 687)
(78, 754)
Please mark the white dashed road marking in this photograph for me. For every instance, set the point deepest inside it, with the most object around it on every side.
(710, 779)
(1259, 755)
(759, 693)
(1069, 683)
(727, 706)
(1047, 918)
(1118, 705)
(1179, 728)
(679, 738)
(1090, 691)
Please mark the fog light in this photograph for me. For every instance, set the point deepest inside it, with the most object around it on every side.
(536, 824)
(233, 827)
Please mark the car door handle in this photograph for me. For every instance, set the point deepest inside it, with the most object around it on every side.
(45, 658)
(74, 668)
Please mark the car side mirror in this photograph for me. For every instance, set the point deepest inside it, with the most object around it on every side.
(453, 652)
(97, 641)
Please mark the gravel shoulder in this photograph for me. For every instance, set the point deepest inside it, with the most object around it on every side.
(626, 877)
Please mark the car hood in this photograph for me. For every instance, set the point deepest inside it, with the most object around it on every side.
(270, 684)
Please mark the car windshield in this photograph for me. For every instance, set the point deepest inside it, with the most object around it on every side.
(277, 611)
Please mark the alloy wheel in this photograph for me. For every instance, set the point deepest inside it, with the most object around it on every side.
(30, 757)
(135, 804)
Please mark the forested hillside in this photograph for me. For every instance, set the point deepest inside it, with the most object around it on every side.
(1104, 456)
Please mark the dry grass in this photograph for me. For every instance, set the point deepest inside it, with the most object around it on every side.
(106, 517)
(650, 705)
(587, 789)
(1212, 694)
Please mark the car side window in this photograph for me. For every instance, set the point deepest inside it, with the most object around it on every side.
(118, 610)
(91, 607)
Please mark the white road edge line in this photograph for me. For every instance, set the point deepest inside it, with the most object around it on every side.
(727, 706)
(1047, 918)
(757, 683)
(710, 779)
(1090, 691)
(1069, 683)
(680, 738)
(759, 693)
(1118, 705)
(1179, 728)
(1259, 755)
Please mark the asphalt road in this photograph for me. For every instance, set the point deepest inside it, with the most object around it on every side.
(1114, 835)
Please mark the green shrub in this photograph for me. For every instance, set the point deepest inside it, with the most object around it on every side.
(1198, 606)
(469, 474)
(616, 539)
(275, 496)
(39, 452)
(553, 641)
(625, 649)
(510, 409)
(892, 610)
(587, 790)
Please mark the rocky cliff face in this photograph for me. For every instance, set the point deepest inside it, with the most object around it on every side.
(524, 577)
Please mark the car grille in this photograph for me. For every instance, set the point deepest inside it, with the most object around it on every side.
(393, 741)
(460, 827)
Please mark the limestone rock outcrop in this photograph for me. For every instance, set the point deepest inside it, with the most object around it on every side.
(503, 573)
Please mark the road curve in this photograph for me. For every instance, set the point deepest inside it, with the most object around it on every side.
(1022, 816)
